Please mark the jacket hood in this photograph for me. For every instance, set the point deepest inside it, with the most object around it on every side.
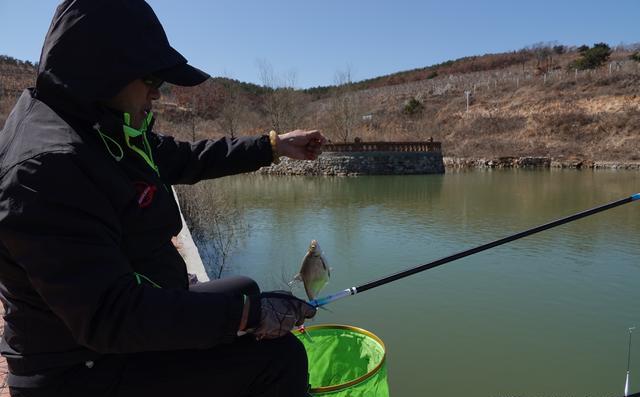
(94, 48)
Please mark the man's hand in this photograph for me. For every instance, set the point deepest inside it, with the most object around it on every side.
(280, 311)
(301, 144)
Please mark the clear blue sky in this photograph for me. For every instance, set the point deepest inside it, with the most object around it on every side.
(314, 39)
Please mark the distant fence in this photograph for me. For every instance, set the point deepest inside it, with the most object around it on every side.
(423, 146)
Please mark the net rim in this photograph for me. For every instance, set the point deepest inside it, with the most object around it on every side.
(340, 386)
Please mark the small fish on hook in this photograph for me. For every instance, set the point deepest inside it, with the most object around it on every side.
(314, 271)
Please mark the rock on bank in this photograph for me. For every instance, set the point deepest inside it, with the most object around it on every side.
(537, 162)
(361, 163)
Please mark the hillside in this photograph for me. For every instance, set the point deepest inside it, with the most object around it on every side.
(534, 102)
(15, 76)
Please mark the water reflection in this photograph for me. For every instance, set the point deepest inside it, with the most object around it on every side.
(472, 201)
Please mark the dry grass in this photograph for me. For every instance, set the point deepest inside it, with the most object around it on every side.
(514, 110)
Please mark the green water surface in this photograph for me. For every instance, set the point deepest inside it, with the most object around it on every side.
(543, 316)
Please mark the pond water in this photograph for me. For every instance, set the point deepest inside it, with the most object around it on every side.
(547, 315)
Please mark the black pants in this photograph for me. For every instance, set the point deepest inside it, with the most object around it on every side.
(246, 367)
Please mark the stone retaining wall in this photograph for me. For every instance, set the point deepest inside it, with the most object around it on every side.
(361, 163)
(537, 162)
(403, 163)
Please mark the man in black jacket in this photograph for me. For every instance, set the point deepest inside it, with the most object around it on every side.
(96, 296)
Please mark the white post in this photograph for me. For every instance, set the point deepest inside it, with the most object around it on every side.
(517, 82)
(467, 93)
(545, 78)
(576, 74)
(610, 67)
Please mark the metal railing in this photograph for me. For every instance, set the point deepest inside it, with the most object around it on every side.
(421, 146)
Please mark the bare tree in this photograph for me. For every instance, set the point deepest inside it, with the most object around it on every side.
(344, 109)
(217, 226)
(189, 107)
(282, 104)
(197, 104)
(544, 56)
(233, 109)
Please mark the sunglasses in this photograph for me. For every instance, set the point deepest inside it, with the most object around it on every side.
(153, 81)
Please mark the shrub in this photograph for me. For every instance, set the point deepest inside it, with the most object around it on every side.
(583, 48)
(593, 57)
(635, 57)
(412, 106)
(559, 49)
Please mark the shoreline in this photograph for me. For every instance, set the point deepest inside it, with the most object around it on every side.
(332, 164)
(537, 162)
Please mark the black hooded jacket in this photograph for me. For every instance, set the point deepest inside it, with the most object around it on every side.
(81, 213)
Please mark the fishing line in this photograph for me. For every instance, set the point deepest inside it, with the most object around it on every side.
(420, 268)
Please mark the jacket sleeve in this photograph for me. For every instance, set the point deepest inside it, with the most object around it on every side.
(64, 232)
(188, 163)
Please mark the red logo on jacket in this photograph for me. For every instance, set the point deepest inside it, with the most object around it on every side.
(145, 192)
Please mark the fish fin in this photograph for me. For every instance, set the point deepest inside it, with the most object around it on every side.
(325, 264)
(296, 279)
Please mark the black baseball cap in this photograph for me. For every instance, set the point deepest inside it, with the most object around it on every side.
(183, 74)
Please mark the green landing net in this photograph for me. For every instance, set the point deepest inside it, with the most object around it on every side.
(345, 361)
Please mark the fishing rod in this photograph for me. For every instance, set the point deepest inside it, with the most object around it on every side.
(626, 382)
(420, 268)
